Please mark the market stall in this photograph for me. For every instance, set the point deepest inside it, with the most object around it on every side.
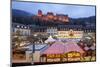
(50, 39)
(59, 52)
(54, 52)
(73, 51)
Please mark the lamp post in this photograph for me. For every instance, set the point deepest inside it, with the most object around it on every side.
(33, 49)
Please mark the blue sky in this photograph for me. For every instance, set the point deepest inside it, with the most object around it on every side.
(74, 11)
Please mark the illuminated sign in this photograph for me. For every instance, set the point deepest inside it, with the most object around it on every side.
(73, 56)
(53, 56)
(70, 34)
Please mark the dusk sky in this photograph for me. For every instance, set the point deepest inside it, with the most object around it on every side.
(74, 11)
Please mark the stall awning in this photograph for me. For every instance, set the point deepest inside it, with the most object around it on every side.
(56, 48)
(50, 39)
(61, 48)
(72, 46)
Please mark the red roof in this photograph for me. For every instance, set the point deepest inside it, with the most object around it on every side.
(60, 48)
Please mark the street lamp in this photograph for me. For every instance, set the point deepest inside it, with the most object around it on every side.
(33, 49)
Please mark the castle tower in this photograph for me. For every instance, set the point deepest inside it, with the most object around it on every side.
(40, 13)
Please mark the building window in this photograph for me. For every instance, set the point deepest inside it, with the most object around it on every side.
(18, 26)
(25, 27)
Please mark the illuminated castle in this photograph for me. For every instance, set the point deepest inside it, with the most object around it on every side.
(51, 16)
(39, 13)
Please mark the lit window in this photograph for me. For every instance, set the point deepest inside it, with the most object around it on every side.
(18, 26)
(21, 26)
(25, 27)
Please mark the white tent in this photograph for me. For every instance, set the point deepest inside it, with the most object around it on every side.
(50, 39)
